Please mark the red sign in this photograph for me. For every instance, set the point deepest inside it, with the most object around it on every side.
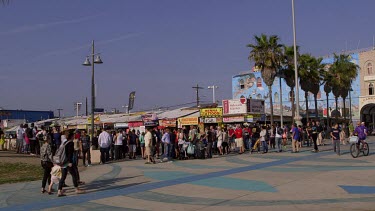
(135, 124)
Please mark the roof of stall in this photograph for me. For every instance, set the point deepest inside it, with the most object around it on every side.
(177, 113)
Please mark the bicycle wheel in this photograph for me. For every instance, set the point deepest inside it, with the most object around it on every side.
(354, 151)
(367, 150)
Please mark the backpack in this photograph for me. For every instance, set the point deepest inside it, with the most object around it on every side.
(60, 156)
(280, 131)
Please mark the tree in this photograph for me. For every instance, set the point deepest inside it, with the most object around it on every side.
(288, 70)
(266, 53)
(343, 73)
(309, 76)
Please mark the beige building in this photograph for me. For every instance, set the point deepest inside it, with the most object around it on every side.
(367, 82)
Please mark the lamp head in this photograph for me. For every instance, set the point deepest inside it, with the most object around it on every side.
(87, 62)
(98, 60)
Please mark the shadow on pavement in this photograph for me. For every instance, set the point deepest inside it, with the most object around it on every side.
(109, 184)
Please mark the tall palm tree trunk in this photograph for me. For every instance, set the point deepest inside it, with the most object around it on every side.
(271, 103)
(307, 106)
(316, 106)
(344, 112)
(328, 123)
(337, 109)
(292, 100)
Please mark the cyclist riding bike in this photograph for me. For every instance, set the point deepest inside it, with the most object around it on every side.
(361, 132)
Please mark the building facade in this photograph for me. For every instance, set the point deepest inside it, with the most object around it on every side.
(28, 116)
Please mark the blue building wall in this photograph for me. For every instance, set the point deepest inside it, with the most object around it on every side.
(30, 116)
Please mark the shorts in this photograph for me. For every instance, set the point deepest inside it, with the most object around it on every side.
(239, 142)
(132, 148)
(219, 143)
(148, 151)
(142, 144)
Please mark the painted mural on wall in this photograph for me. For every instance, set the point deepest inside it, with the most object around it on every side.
(250, 85)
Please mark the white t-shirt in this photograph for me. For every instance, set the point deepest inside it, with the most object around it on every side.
(262, 135)
(20, 133)
(104, 139)
(119, 139)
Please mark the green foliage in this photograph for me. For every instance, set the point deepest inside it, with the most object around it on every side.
(19, 172)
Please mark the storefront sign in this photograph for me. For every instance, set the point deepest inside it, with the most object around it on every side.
(167, 122)
(237, 106)
(121, 125)
(211, 112)
(150, 120)
(234, 119)
(254, 117)
(212, 120)
(188, 121)
(135, 124)
(256, 106)
(96, 119)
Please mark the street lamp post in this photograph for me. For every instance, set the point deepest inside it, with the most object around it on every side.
(297, 116)
(213, 92)
(350, 104)
(280, 75)
(87, 62)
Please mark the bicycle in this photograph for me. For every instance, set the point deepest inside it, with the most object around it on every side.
(355, 149)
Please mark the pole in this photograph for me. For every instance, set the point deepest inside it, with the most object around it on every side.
(77, 109)
(350, 104)
(297, 117)
(92, 92)
(197, 92)
(59, 109)
(281, 105)
(86, 107)
(213, 94)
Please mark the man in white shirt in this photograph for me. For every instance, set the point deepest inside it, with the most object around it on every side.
(19, 141)
(148, 146)
(166, 142)
(104, 142)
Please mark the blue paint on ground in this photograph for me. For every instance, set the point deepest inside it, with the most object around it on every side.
(151, 186)
(358, 189)
(192, 165)
(216, 182)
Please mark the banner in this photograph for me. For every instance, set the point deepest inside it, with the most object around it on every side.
(96, 119)
(211, 112)
(234, 119)
(256, 106)
(188, 121)
(168, 122)
(237, 106)
(212, 120)
(131, 100)
(135, 124)
(150, 119)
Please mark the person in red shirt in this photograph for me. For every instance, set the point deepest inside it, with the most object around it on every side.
(239, 139)
(232, 145)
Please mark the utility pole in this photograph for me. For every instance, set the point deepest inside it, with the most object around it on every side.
(197, 88)
(86, 107)
(213, 87)
(59, 109)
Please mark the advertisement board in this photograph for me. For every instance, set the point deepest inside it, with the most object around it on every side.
(213, 120)
(233, 119)
(236, 106)
(188, 121)
(256, 106)
(150, 119)
(168, 122)
(211, 112)
(135, 124)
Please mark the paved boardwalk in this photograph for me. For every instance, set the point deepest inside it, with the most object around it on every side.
(285, 181)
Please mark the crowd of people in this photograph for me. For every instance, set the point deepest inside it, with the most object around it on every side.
(60, 151)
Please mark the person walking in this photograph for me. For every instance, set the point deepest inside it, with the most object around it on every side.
(104, 144)
(295, 138)
(67, 165)
(278, 136)
(263, 134)
(239, 139)
(335, 135)
(148, 146)
(220, 138)
(314, 135)
(46, 162)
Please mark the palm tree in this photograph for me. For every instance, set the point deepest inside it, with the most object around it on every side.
(288, 70)
(343, 73)
(267, 55)
(318, 69)
(309, 76)
(327, 90)
(344, 94)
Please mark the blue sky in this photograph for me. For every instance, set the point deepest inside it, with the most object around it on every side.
(160, 48)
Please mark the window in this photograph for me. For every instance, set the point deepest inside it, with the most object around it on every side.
(369, 68)
(242, 84)
(371, 89)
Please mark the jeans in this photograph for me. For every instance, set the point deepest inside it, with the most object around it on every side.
(209, 149)
(171, 150)
(46, 174)
(265, 147)
(336, 146)
(104, 155)
(246, 143)
(86, 152)
(19, 145)
(64, 173)
(118, 153)
(278, 142)
(314, 138)
(166, 150)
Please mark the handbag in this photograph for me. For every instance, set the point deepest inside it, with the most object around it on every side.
(191, 149)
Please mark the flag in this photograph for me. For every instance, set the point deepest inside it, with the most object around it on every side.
(131, 100)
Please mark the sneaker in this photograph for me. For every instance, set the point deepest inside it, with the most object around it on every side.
(89, 165)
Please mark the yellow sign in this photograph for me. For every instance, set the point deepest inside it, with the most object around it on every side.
(188, 121)
(96, 119)
(211, 112)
